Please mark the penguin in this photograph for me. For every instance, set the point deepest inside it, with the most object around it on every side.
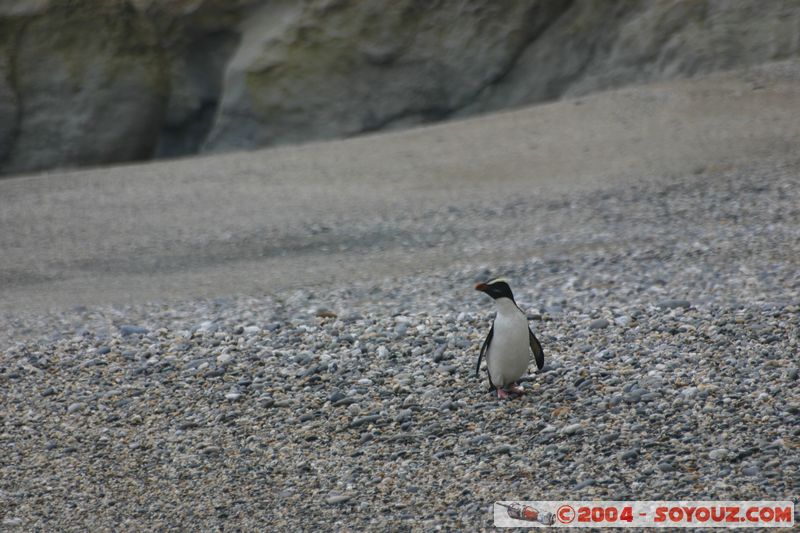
(510, 340)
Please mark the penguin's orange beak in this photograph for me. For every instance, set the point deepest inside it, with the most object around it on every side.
(481, 287)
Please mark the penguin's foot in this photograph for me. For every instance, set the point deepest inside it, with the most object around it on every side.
(502, 394)
(517, 389)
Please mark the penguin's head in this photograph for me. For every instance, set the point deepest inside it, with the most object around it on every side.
(496, 288)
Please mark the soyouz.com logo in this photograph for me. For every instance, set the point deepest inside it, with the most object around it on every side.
(644, 514)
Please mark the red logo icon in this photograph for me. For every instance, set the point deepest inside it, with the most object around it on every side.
(565, 514)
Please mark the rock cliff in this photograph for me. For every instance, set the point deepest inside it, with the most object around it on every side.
(101, 81)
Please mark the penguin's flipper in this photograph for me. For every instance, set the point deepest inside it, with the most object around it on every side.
(536, 348)
(483, 350)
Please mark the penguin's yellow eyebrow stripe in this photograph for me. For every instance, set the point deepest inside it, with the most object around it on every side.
(496, 280)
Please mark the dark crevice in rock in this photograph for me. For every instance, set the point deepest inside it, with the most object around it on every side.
(196, 93)
(186, 137)
(13, 83)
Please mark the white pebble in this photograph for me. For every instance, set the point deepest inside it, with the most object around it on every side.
(622, 320)
(718, 454)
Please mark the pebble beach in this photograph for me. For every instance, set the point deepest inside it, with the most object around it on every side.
(668, 311)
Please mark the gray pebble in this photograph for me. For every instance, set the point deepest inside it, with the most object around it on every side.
(233, 395)
(479, 440)
(335, 396)
(674, 304)
(502, 449)
(211, 450)
(364, 420)
(598, 323)
(649, 397)
(622, 321)
(609, 437)
(336, 498)
(629, 454)
(403, 416)
(448, 406)
(447, 369)
(666, 467)
(133, 330)
(75, 407)
(266, 402)
(718, 454)
(751, 471)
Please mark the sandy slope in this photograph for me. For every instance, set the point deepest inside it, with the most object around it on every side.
(389, 204)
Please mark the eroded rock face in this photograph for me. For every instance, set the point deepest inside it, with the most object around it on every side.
(104, 81)
(91, 87)
(602, 45)
(331, 69)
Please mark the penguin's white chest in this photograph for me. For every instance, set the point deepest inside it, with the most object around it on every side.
(509, 352)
